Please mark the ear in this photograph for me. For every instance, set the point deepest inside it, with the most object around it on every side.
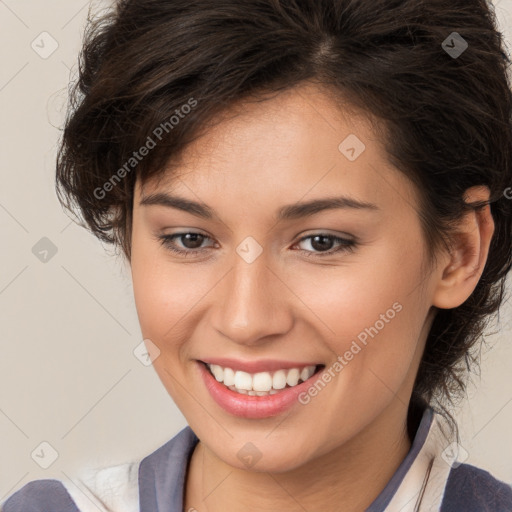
(462, 268)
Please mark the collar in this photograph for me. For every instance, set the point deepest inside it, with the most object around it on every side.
(156, 483)
(420, 480)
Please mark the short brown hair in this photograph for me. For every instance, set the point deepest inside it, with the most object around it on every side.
(447, 117)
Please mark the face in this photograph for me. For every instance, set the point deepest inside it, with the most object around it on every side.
(263, 284)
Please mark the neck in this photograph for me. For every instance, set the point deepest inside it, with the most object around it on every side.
(350, 476)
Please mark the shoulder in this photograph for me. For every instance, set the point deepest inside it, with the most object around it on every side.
(158, 476)
(475, 490)
(41, 496)
(110, 489)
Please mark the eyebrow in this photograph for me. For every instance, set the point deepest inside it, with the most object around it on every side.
(287, 212)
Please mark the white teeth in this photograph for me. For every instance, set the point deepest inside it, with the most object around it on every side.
(243, 380)
(279, 379)
(217, 371)
(229, 376)
(261, 383)
(293, 376)
(307, 372)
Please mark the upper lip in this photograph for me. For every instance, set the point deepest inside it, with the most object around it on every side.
(261, 365)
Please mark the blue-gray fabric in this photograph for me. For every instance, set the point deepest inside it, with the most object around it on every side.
(41, 496)
(383, 499)
(162, 474)
(162, 481)
(471, 489)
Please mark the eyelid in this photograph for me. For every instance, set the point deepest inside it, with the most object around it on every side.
(327, 232)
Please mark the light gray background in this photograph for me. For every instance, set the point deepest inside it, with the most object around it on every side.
(68, 327)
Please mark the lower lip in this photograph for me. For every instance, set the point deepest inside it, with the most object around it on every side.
(253, 407)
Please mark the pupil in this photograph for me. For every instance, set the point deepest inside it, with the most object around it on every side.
(320, 246)
(195, 238)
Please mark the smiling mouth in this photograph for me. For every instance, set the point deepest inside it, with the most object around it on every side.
(262, 383)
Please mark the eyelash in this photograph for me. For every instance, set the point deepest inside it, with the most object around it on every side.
(345, 247)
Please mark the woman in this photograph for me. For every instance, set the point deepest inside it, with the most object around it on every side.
(312, 196)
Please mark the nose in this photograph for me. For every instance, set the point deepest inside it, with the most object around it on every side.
(252, 303)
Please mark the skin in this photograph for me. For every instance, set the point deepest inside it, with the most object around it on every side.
(344, 445)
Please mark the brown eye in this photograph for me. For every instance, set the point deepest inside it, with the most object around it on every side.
(190, 242)
(322, 244)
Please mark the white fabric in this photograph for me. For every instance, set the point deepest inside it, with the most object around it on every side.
(422, 488)
(111, 489)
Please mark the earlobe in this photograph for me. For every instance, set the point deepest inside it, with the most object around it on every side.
(461, 271)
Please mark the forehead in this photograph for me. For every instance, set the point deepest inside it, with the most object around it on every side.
(300, 142)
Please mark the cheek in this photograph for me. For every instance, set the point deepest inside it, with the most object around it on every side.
(167, 295)
(370, 312)
(155, 288)
(163, 297)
